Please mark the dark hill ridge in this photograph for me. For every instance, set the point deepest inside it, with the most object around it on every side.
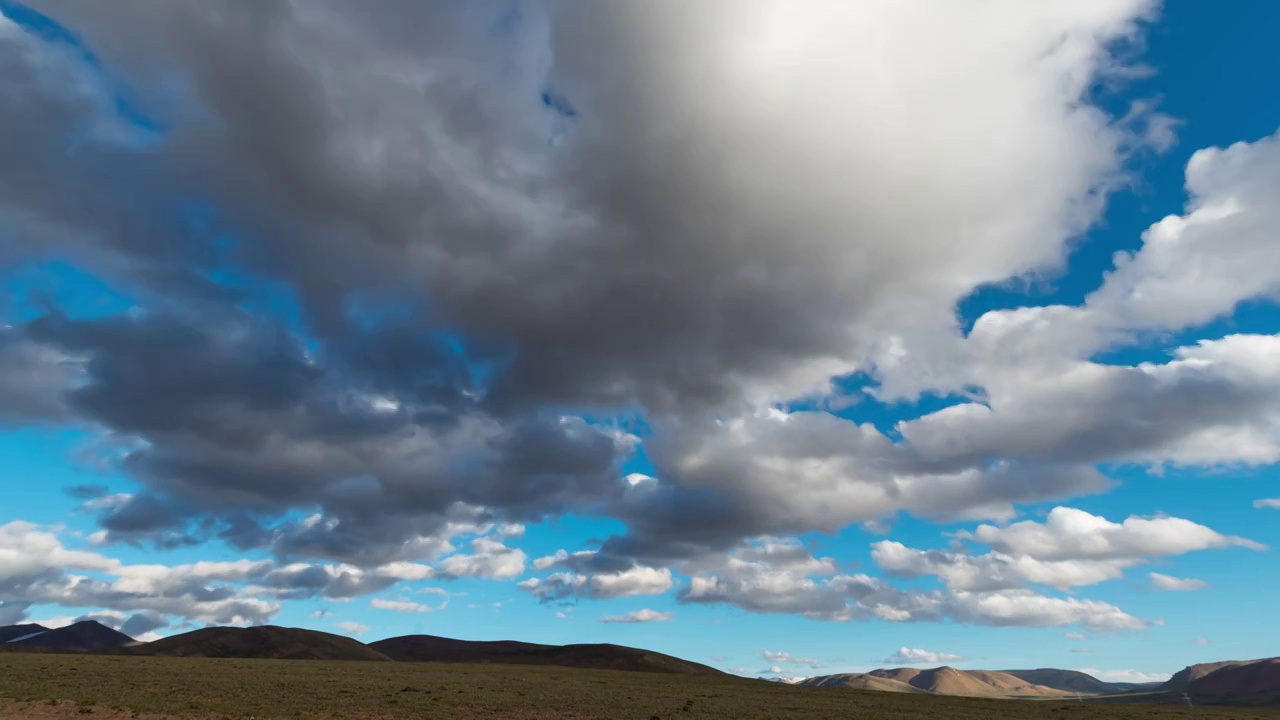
(10, 633)
(1071, 681)
(429, 648)
(1232, 682)
(84, 636)
(1251, 683)
(266, 641)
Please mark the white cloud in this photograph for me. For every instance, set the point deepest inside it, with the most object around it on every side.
(1042, 399)
(353, 628)
(1201, 641)
(489, 558)
(1272, 503)
(918, 656)
(1168, 582)
(1076, 636)
(404, 606)
(1070, 549)
(639, 616)
(35, 567)
(1130, 676)
(1071, 534)
(639, 580)
(776, 576)
(787, 658)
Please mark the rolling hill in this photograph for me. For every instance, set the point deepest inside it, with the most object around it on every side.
(1233, 682)
(84, 636)
(1070, 681)
(429, 648)
(861, 681)
(9, 633)
(941, 681)
(266, 641)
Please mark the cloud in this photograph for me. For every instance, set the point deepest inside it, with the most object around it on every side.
(639, 616)
(353, 628)
(404, 606)
(1202, 641)
(436, 319)
(1130, 676)
(353, 340)
(36, 568)
(1273, 503)
(1071, 548)
(34, 379)
(776, 576)
(489, 559)
(915, 656)
(1076, 636)
(1168, 582)
(627, 583)
(786, 658)
(1074, 534)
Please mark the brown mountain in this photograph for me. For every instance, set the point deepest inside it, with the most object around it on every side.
(940, 681)
(1233, 682)
(861, 681)
(1184, 677)
(267, 641)
(1070, 681)
(1254, 683)
(428, 648)
(84, 636)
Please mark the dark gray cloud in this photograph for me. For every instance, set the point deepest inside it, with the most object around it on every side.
(33, 379)
(378, 279)
(12, 613)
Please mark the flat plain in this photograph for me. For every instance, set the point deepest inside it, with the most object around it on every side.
(39, 686)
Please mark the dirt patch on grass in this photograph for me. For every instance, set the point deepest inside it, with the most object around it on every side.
(49, 710)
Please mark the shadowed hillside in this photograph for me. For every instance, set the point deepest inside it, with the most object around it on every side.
(429, 648)
(1232, 682)
(266, 641)
(10, 633)
(84, 636)
(1070, 681)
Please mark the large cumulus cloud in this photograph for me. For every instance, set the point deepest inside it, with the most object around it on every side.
(395, 275)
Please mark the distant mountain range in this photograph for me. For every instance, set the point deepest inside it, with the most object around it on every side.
(969, 683)
(266, 642)
(84, 636)
(419, 648)
(1236, 682)
(284, 643)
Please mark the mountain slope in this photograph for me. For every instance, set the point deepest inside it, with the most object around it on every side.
(940, 681)
(861, 681)
(1190, 674)
(429, 648)
(84, 636)
(1231, 682)
(10, 633)
(1070, 681)
(266, 641)
(1251, 683)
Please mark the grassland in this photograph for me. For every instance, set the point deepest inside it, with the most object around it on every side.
(207, 688)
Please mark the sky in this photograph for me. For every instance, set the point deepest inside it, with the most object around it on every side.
(791, 339)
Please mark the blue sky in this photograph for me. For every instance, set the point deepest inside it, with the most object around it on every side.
(804, 348)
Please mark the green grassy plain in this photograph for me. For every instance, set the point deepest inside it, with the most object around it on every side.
(228, 688)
